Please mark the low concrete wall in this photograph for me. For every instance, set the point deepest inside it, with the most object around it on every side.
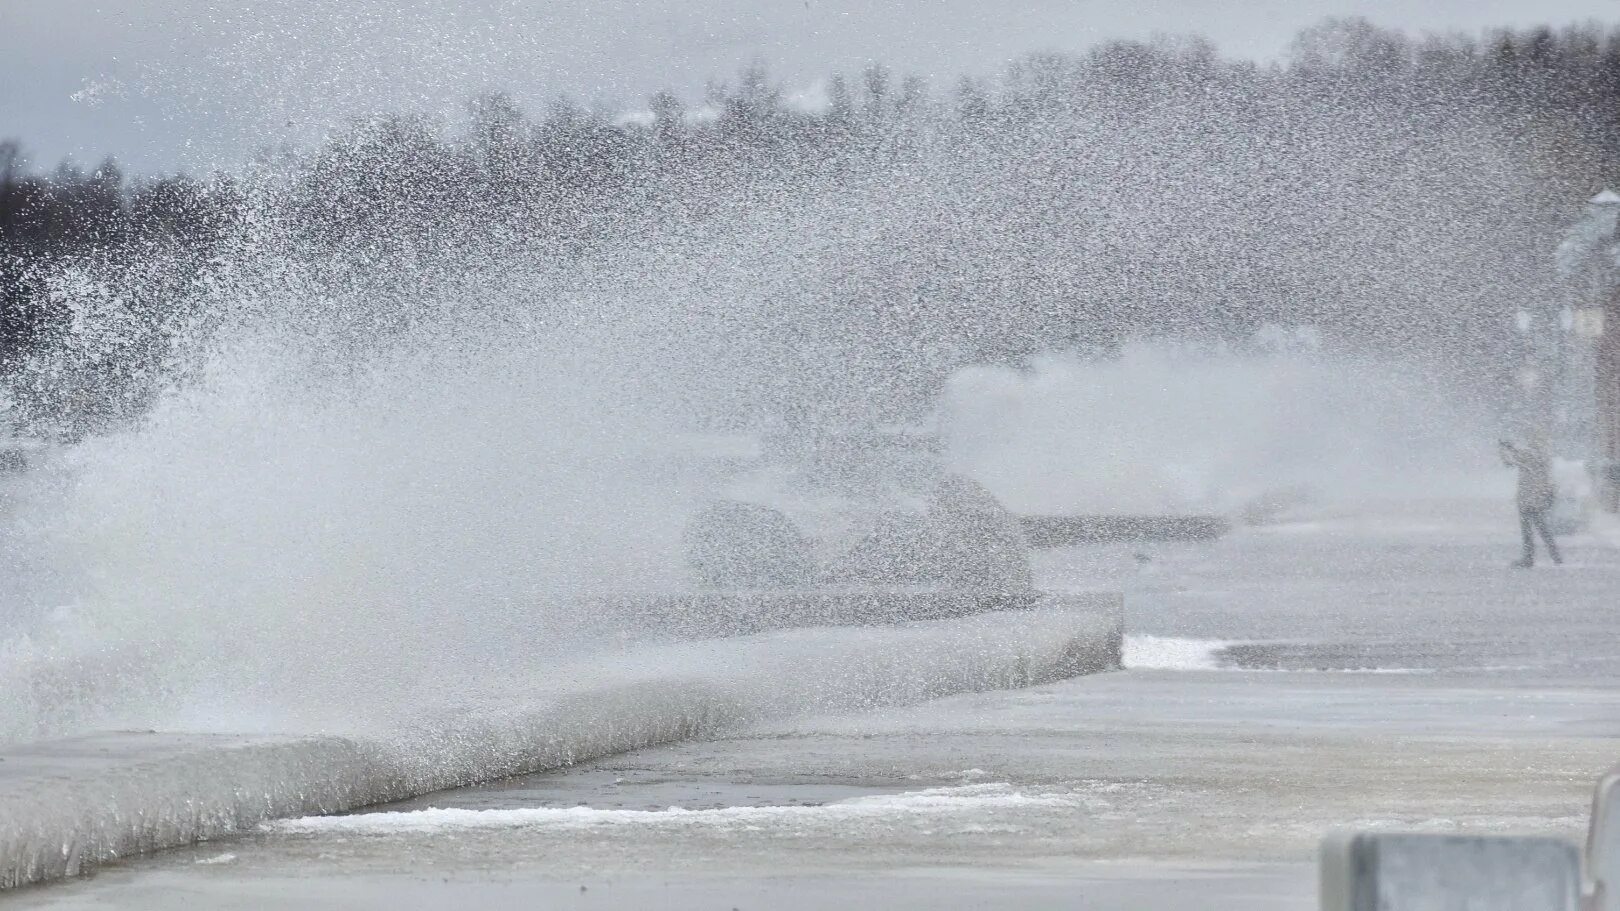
(1066, 531)
(1392, 871)
(68, 805)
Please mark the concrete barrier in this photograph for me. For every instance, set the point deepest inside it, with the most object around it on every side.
(732, 612)
(1400, 872)
(68, 805)
(1603, 844)
(1066, 531)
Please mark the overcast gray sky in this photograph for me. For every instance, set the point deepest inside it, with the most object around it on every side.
(171, 83)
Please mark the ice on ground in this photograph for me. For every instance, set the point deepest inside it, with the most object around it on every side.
(966, 801)
(140, 792)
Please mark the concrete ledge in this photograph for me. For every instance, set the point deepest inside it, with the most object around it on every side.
(1066, 531)
(731, 612)
(1603, 844)
(1399, 872)
(68, 805)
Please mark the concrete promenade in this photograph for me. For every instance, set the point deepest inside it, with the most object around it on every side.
(1375, 666)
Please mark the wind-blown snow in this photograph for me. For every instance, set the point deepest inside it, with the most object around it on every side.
(1177, 429)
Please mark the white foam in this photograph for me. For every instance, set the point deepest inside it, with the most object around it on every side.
(1169, 653)
(951, 801)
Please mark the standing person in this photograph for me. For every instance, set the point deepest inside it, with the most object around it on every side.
(1535, 498)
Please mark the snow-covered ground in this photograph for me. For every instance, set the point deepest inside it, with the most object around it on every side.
(1375, 665)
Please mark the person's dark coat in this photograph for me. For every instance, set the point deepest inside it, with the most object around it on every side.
(1535, 479)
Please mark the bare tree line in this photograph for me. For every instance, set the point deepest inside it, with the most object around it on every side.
(1138, 185)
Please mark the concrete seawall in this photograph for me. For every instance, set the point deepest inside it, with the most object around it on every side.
(68, 805)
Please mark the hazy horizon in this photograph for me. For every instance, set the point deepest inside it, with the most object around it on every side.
(193, 87)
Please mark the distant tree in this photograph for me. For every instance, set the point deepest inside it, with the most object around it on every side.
(840, 103)
(11, 161)
(668, 113)
(1351, 46)
(1137, 184)
(913, 95)
(876, 80)
(972, 104)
